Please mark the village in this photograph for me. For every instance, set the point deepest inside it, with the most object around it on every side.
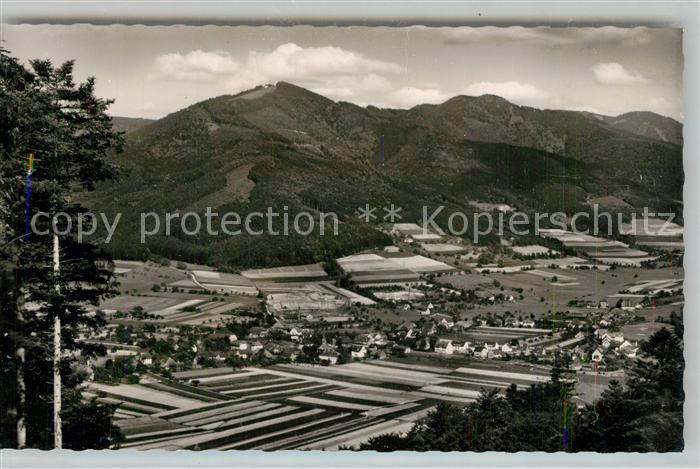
(326, 355)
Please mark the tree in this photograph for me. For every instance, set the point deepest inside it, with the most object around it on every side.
(66, 128)
(88, 425)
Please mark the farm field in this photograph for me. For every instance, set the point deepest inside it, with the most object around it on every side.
(292, 273)
(481, 335)
(541, 296)
(377, 263)
(139, 277)
(222, 282)
(296, 406)
(442, 248)
(170, 307)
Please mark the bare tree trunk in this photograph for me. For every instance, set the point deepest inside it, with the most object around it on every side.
(22, 401)
(58, 434)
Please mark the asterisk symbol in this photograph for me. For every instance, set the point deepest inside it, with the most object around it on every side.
(367, 213)
(392, 213)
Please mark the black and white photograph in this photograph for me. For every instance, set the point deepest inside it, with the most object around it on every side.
(342, 238)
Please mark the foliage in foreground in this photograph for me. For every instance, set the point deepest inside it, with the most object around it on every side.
(45, 113)
(645, 415)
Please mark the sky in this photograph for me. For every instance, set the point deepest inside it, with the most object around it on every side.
(151, 71)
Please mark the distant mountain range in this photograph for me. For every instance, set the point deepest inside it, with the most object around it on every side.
(284, 145)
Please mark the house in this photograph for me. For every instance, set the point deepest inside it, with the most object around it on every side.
(597, 355)
(443, 320)
(242, 350)
(379, 338)
(606, 342)
(614, 339)
(358, 351)
(460, 346)
(505, 348)
(464, 324)
(444, 346)
(146, 359)
(528, 323)
(627, 349)
(295, 334)
(330, 356)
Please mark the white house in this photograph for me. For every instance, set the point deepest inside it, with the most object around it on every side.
(295, 334)
(444, 346)
(628, 349)
(461, 346)
(330, 356)
(443, 320)
(379, 338)
(597, 355)
(146, 359)
(358, 351)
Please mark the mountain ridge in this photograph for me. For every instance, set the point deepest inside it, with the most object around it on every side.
(289, 146)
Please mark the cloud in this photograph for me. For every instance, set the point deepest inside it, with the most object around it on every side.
(197, 66)
(514, 91)
(608, 35)
(613, 73)
(411, 96)
(332, 71)
(292, 60)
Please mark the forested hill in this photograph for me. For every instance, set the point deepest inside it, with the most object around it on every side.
(283, 145)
